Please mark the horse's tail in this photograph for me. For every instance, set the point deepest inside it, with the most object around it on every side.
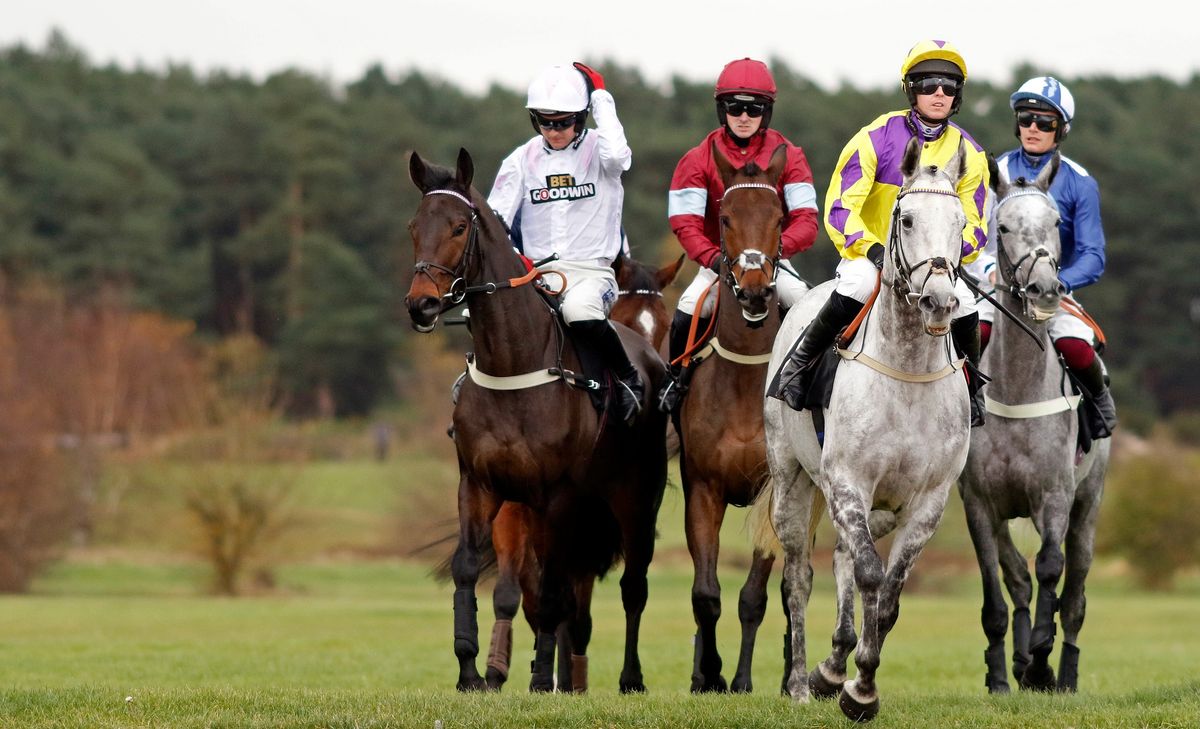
(758, 520)
(443, 570)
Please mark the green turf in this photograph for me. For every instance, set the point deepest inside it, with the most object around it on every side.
(343, 641)
(368, 644)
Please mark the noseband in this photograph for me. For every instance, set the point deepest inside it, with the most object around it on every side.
(902, 285)
(750, 259)
(1010, 271)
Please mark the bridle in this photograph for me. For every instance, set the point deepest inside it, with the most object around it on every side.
(458, 291)
(750, 259)
(903, 283)
(1011, 271)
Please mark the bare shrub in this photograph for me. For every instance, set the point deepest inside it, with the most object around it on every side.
(1151, 512)
(239, 514)
(76, 381)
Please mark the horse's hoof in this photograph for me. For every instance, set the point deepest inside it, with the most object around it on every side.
(709, 685)
(998, 688)
(741, 685)
(1038, 677)
(471, 684)
(633, 687)
(821, 687)
(855, 709)
(494, 679)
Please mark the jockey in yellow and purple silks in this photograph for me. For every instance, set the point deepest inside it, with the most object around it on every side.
(862, 194)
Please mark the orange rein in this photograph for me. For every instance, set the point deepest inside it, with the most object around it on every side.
(1072, 307)
(849, 332)
(692, 342)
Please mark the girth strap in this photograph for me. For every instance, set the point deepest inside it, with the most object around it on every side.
(1032, 409)
(896, 374)
(512, 382)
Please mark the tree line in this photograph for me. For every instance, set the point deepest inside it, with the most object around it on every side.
(278, 209)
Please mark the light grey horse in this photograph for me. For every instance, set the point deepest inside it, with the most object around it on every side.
(896, 435)
(1024, 463)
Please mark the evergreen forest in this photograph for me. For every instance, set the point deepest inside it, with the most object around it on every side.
(276, 209)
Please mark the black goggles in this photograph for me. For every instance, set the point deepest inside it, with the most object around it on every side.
(1044, 123)
(930, 84)
(564, 123)
(753, 109)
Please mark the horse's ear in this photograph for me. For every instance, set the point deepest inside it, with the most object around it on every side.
(417, 171)
(1046, 176)
(466, 169)
(618, 265)
(912, 157)
(993, 172)
(956, 167)
(667, 273)
(724, 166)
(778, 164)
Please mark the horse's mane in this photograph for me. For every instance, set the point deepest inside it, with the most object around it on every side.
(751, 169)
(637, 276)
(444, 178)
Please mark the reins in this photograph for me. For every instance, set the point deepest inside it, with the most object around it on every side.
(459, 290)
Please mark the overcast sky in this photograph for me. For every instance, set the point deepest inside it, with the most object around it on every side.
(475, 43)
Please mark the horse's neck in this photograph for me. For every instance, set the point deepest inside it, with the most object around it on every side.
(1020, 370)
(512, 329)
(894, 334)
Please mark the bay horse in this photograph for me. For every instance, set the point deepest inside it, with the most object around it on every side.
(1025, 463)
(640, 307)
(722, 454)
(896, 436)
(523, 434)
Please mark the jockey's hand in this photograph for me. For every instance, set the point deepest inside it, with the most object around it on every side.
(875, 255)
(591, 77)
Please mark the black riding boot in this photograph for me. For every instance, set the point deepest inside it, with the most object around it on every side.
(795, 376)
(670, 397)
(1101, 411)
(629, 387)
(965, 333)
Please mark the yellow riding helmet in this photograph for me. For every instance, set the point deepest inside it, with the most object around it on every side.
(927, 54)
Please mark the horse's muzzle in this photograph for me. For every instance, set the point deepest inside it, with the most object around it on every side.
(424, 312)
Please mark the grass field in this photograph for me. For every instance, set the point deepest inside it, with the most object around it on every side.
(121, 634)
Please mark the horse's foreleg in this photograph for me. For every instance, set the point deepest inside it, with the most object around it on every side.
(1081, 538)
(574, 639)
(638, 525)
(859, 700)
(1020, 590)
(509, 539)
(752, 608)
(918, 525)
(1048, 566)
(795, 520)
(995, 613)
(827, 678)
(555, 602)
(476, 509)
(704, 513)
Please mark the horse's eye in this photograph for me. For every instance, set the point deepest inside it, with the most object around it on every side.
(460, 229)
(1004, 229)
(1058, 222)
(906, 221)
(724, 221)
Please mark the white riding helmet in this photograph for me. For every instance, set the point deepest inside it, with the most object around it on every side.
(1048, 94)
(556, 90)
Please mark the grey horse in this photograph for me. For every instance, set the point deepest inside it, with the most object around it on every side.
(1025, 463)
(896, 436)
